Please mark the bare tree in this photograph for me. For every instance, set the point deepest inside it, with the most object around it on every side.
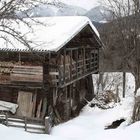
(123, 39)
(10, 16)
(121, 36)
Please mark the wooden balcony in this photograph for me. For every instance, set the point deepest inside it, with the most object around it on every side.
(74, 71)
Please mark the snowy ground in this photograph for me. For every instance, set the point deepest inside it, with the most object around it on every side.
(92, 121)
(89, 125)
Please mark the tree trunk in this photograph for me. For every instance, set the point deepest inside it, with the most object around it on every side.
(124, 83)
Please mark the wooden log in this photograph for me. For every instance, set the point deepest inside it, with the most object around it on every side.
(64, 64)
(38, 114)
(6, 119)
(27, 74)
(48, 125)
(44, 107)
(83, 60)
(77, 64)
(26, 78)
(34, 104)
(59, 119)
(71, 64)
(25, 121)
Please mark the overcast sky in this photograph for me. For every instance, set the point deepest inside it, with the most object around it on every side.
(87, 4)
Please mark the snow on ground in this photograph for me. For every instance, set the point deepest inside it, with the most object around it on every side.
(90, 124)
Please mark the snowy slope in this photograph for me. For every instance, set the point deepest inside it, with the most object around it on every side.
(88, 126)
(99, 14)
(92, 122)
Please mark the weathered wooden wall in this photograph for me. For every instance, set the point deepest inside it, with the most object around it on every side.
(11, 73)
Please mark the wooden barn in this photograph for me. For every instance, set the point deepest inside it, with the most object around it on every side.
(52, 77)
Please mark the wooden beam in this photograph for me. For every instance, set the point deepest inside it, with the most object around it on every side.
(22, 85)
(83, 60)
(73, 81)
(71, 64)
(70, 94)
(77, 53)
(64, 65)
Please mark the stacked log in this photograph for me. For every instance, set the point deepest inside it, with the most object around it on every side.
(27, 74)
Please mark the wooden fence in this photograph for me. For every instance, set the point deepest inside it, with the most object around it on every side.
(32, 125)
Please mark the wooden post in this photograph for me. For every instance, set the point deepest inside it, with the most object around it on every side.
(47, 125)
(46, 70)
(34, 103)
(90, 61)
(77, 63)
(64, 66)
(94, 60)
(54, 92)
(98, 62)
(83, 60)
(19, 59)
(66, 110)
(70, 64)
(25, 121)
(44, 107)
(70, 95)
(6, 119)
(124, 82)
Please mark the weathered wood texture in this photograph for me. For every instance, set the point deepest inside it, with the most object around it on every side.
(14, 73)
(25, 104)
(9, 95)
(32, 125)
(76, 64)
(72, 98)
(27, 74)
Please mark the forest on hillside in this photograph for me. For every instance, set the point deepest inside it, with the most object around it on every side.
(121, 38)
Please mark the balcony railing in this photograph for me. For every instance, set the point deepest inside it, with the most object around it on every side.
(70, 72)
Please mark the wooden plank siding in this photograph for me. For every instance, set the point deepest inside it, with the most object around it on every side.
(14, 74)
(27, 74)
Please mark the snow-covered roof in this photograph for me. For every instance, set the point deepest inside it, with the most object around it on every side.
(47, 33)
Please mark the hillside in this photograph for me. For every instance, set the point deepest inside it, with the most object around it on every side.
(99, 14)
(59, 9)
